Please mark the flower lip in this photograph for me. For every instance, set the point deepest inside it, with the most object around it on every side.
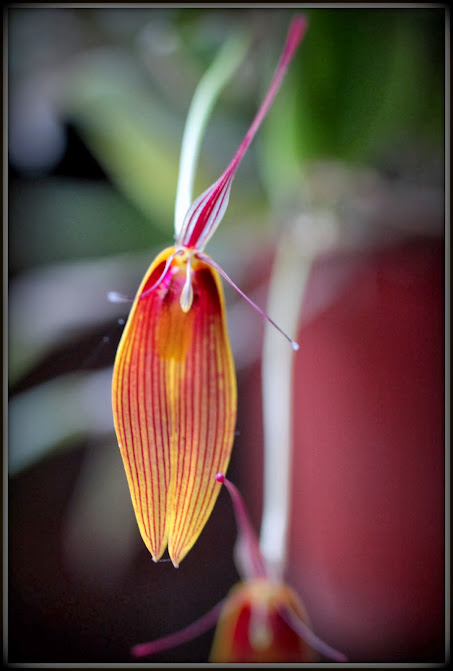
(174, 403)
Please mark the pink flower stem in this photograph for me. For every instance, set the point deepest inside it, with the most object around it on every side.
(255, 565)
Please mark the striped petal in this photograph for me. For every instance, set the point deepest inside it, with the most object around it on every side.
(174, 402)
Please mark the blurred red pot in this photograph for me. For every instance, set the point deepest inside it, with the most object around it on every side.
(366, 545)
(367, 531)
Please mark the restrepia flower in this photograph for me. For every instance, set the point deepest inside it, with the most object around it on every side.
(262, 620)
(174, 384)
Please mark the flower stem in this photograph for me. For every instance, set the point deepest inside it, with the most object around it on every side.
(286, 292)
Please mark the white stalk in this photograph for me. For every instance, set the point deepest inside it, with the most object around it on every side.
(205, 96)
(286, 292)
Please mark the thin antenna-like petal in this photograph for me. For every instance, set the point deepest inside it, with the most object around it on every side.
(207, 211)
(210, 262)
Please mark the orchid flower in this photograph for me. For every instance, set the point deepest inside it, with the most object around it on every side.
(262, 620)
(174, 384)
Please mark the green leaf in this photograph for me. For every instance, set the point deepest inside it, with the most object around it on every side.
(61, 219)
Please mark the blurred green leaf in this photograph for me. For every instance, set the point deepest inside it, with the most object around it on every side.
(364, 83)
(51, 305)
(62, 219)
(280, 165)
(133, 136)
(365, 77)
(57, 413)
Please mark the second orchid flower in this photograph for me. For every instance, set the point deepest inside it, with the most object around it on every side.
(262, 620)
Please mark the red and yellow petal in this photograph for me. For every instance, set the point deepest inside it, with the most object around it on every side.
(252, 630)
(174, 403)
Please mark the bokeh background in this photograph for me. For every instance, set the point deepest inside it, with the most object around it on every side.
(351, 160)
